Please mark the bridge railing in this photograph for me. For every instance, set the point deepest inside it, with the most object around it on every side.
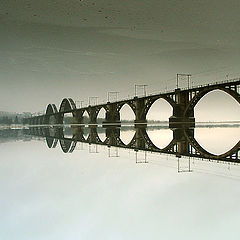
(212, 84)
(169, 91)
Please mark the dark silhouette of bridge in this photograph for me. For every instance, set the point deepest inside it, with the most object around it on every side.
(183, 142)
(182, 101)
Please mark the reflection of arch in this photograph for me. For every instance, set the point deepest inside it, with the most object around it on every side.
(183, 143)
(153, 144)
(113, 137)
(78, 134)
(67, 105)
(101, 132)
(148, 144)
(67, 145)
(202, 93)
(229, 155)
(51, 142)
(93, 136)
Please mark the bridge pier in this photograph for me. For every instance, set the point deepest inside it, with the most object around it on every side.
(59, 118)
(178, 119)
(112, 117)
(92, 112)
(51, 119)
(78, 117)
(140, 115)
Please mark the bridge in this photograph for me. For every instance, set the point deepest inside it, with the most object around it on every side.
(182, 101)
(183, 142)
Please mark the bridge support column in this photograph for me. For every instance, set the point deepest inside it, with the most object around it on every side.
(112, 116)
(178, 119)
(41, 119)
(45, 119)
(52, 119)
(140, 115)
(92, 115)
(59, 118)
(78, 117)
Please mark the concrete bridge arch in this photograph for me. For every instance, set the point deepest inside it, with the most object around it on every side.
(200, 95)
(52, 112)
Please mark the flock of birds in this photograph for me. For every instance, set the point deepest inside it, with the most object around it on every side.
(106, 12)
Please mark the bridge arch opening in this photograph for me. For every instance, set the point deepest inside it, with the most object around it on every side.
(85, 117)
(51, 142)
(159, 112)
(217, 106)
(217, 112)
(68, 118)
(127, 116)
(67, 145)
(50, 118)
(101, 116)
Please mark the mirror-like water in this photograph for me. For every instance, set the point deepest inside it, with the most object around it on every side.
(109, 191)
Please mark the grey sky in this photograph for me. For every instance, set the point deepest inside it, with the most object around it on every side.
(56, 49)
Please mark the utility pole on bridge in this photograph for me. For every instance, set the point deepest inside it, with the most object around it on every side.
(179, 75)
(142, 86)
(113, 94)
(79, 103)
(95, 99)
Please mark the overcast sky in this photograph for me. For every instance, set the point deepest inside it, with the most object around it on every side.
(56, 49)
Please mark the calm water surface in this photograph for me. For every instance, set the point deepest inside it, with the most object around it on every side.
(100, 192)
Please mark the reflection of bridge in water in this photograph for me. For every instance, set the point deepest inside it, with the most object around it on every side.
(182, 144)
(183, 102)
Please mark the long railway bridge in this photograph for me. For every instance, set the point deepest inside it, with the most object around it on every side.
(182, 101)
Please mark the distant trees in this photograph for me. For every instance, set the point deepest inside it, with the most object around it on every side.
(6, 120)
(16, 120)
